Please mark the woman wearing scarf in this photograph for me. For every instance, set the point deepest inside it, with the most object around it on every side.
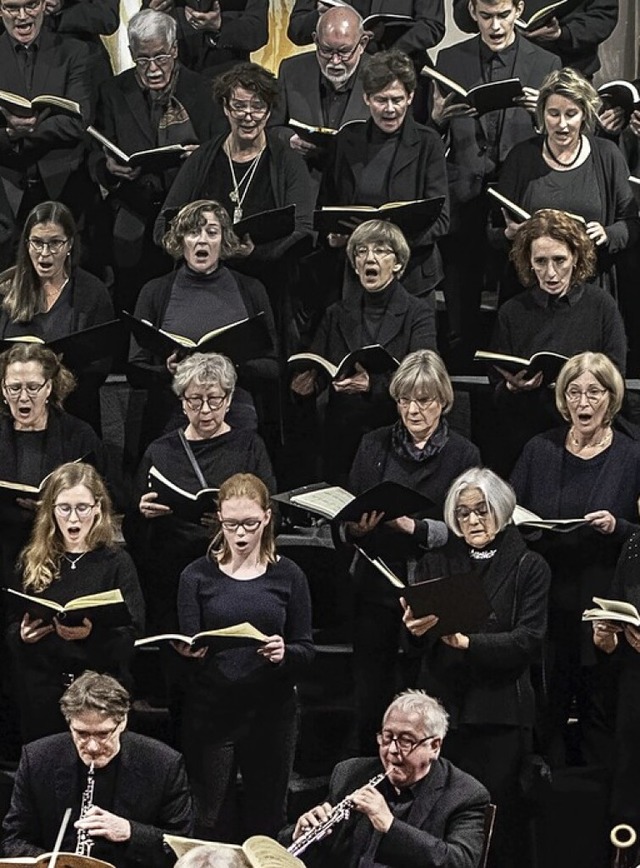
(156, 103)
(420, 452)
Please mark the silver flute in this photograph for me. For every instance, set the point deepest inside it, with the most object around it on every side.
(340, 812)
(85, 841)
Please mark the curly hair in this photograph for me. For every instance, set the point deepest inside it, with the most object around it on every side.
(570, 84)
(42, 557)
(385, 67)
(561, 227)
(249, 486)
(249, 76)
(20, 286)
(190, 218)
(62, 380)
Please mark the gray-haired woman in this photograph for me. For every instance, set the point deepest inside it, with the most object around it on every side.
(482, 677)
(201, 455)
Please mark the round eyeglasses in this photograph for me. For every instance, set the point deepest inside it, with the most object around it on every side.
(213, 402)
(82, 510)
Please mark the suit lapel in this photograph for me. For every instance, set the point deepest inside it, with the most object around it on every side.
(408, 150)
(10, 75)
(394, 317)
(131, 781)
(135, 102)
(430, 790)
(355, 106)
(47, 64)
(350, 324)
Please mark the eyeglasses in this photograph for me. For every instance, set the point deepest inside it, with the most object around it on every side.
(344, 54)
(14, 390)
(82, 510)
(101, 737)
(54, 245)
(161, 60)
(377, 252)
(463, 513)
(239, 109)
(14, 11)
(421, 403)
(249, 525)
(593, 396)
(213, 402)
(404, 743)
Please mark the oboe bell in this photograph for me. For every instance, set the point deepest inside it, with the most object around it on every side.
(340, 812)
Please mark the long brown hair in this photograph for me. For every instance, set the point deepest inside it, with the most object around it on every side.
(42, 557)
(249, 486)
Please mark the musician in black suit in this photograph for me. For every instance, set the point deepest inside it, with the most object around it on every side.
(214, 35)
(477, 146)
(574, 35)
(140, 788)
(156, 103)
(41, 155)
(426, 811)
(427, 30)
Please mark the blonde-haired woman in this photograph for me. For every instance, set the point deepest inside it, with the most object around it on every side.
(240, 707)
(72, 552)
(589, 468)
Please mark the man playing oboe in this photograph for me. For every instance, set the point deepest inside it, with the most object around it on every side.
(425, 812)
(125, 790)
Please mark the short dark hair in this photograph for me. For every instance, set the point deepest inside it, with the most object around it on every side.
(93, 691)
(386, 67)
(561, 227)
(250, 76)
(191, 217)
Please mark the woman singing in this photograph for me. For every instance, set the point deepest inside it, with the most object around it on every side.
(240, 708)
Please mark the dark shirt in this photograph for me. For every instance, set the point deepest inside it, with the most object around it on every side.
(496, 66)
(26, 56)
(400, 804)
(30, 456)
(576, 191)
(200, 303)
(334, 102)
(374, 309)
(372, 184)
(219, 184)
(58, 321)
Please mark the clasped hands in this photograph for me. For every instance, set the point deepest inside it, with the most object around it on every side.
(367, 800)
(103, 824)
(420, 626)
(204, 21)
(32, 630)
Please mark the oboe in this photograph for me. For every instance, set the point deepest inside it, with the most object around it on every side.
(340, 812)
(85, 841)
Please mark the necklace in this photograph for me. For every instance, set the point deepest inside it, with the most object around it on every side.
(74, 561)
(236, 196)
(558, 161)
(575, 442)
(482, 554)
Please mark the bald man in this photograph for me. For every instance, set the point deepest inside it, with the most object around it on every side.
(323, 89)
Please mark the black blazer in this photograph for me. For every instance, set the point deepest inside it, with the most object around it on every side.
(418, 171)
(56, 146)
(299, 81)
(427, 31)
(122, 115)
(583, 30)
(489, 682)
(444, 826)
(88, 20)
(469, 161)
(151, 792)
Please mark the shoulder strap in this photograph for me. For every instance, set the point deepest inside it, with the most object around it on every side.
(192, 459)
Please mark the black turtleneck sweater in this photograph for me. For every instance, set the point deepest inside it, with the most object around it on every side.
(200, 303)
(374, 308)
(372, 181)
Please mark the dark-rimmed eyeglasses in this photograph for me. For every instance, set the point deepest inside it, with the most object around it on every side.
(15, 390)
(343, 54)
(53, 245)
(377, 251)
(196, 402)
(240, 109)
(421, 403)
(404, 743)
(249, 525)
(14, 10)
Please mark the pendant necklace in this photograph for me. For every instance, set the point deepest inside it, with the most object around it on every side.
(559, 162)
(235, 195)
(74, 561)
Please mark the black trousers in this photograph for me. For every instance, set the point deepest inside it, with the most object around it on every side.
(254, 737)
